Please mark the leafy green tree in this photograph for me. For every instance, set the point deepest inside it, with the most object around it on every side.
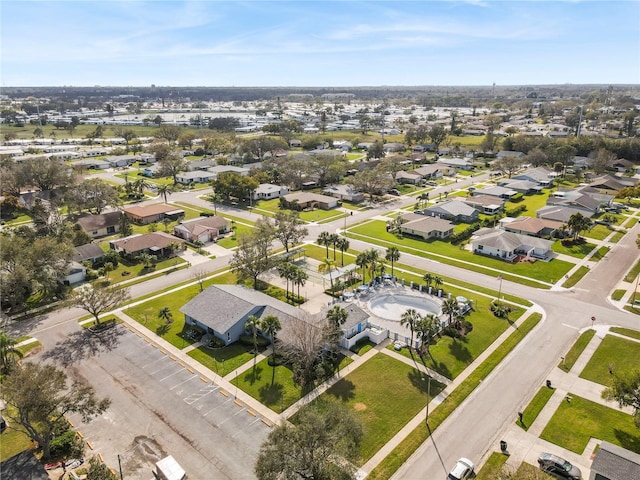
(578, 223)
(625, 389)
(9, 352)
(375, 151)
(322, 445)
(251, 257)
(99, 471)
(438, 135)
(93, 194)
(392, 255)
(289, 228)
(41, 399)
(97, 299)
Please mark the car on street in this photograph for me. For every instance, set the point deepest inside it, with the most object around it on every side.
(558, 466)
(462, 470)
(431, 183)
(394, 192)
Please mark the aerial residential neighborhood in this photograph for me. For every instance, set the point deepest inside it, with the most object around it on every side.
(342, 281)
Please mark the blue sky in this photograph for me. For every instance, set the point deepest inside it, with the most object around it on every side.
(318, 43)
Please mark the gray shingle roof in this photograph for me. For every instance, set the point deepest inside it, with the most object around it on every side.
(88, 251)
(451, 207)
(616, 463)
(95, 222)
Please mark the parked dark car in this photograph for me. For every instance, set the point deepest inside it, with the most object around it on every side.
(394, 192)
(558, 466)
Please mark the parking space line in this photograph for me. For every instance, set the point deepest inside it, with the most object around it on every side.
(164, 366)
(181, 383)
(168, 376)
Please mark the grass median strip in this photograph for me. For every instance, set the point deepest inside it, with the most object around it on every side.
(410, 444)
(534, 408)
(576, 277)
(576, 350)
(627, 332)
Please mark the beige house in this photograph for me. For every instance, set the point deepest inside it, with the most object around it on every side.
(156, 212)
(203, 229)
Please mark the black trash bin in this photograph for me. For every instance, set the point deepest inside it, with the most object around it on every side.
(503, 446)
(548, 383)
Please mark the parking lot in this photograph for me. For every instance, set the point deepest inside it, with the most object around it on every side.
(161, 406)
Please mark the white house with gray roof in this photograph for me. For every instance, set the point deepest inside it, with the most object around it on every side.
(454, 210)
(268, 191)
(508, 246)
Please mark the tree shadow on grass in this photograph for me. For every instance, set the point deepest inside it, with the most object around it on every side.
(81, 345)
(163, 329)
(253, 375)
(343, 390)
(420, 381)
(630, 442)
(460, 351)
(271, 394)
(439, 367)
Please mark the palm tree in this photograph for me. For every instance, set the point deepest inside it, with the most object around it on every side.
(324, 239)
(165, 190)
(334, 238)
(146, 259)
(270, 326)
(450, 308)
(373, 258)
(410, 318)
(437, 282)
(253, 323)
(299, 278)
(286, 271)
(139, 185)
(392, 255)
(165, 314)
(8, 352)
(343, 246)
(337, 316)
(361, 261)
(426, 330)
(577, 224)
(428, 279)
(166, 222)
(327, 266)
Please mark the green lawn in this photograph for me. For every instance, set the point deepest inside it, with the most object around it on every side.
(492, 467)
(528, 471)
(138, 269)
(626, 332)
(633, 273)
(576, 350)
(223, 360)
(532, 202)
(412, 442)
(279, 395)
(599, 255)
(535, 407)
(375, 232)
(617, 237)
(450, 356)
(618, 294)
(12, 442)
(576, 276)
(589, 419)
(615, 353)
(271, 207)
(375, 391)
(575, 250)
(598, 232)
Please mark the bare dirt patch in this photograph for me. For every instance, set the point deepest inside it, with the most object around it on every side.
(359, 407)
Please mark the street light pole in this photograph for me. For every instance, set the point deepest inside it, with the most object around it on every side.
(120, 467)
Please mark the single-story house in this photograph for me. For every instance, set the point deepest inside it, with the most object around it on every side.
(589, 201)
(426, 227)
(76, 273)
(509, 153)
(613, 183)
(100, 225)
(195, 176)
(583, 163)
(91, 164)
(295, 142)
(120, 160)
(458, 163)
(156, 212)
(560, 213)
(394, 147)
(623, 165)
(201, 164)
(218, 169)
(487, 204)
(411, 176)
(310, 200)
(454, 210)
(88, 252)
(507, 245)
(203, 229)
(536, 227)
(344, 192)
(525, 187)
(500, 192)
(432, 171)
(160, 244)
(23, 466)
(234, 304)
(540, 175)
(356, 326)
(424, 147)
(267, 191)
(612, 462)
(147, 158)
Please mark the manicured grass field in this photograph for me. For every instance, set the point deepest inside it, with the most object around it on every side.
(12, 442)
(375, 391)
(589, 419)
(223, 360)
(576, 277)
(375, 232)
(618, 294)
(532, 202)
(626, 332)
(410, 444)
(619, 354)
(633, 273)
(535, 407)
(617, 237)
(138, 270)
(598, 232)
(450, 356)
(576, 350)
(599, 255)
(530, 472)
(491, 469)
(576, 250)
